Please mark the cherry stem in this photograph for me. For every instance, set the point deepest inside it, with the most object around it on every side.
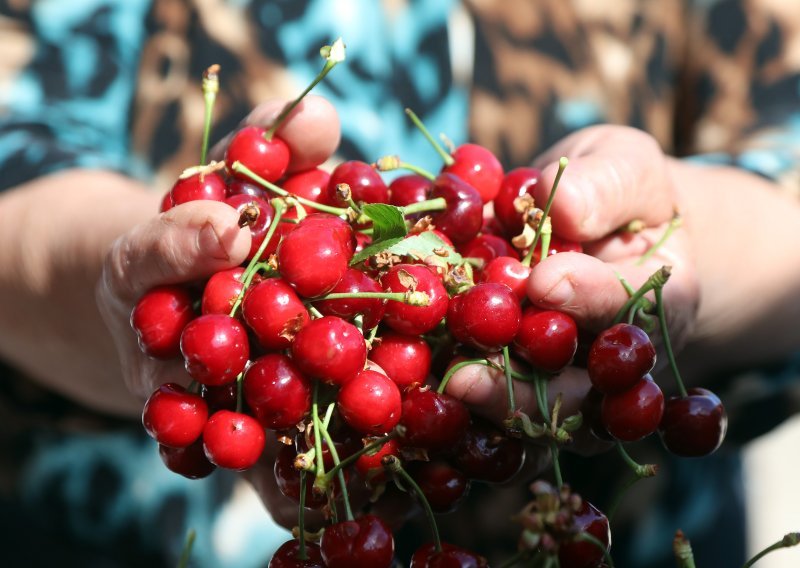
(315, 313)
(210, 90)
(682, 549)
(656, 280)
(435, 204)
(562, 164)
(320, 465)
(460, 365)
(301, 518)
(392, 464)
(647, 470)
(446, 158)
(540, 388)
(512, 404)
(348, 512)
(789, 540)
(674, 223)
(332, 57)
(392, 163)
(615, 503)
(589, 537)
(186, 553)
(349, 460)
(242, 169)
(412, 298)
(662, 322)
(239, 394)
(547, 232)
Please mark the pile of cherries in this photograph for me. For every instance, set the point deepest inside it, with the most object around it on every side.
(332, 338)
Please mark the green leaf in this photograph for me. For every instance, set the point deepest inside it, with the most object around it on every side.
(374, 249)
(419, 246)
(387, 221)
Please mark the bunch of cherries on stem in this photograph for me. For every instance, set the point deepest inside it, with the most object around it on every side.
(354, 295)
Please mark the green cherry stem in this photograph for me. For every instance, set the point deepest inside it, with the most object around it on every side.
(239, 394)
(589, 537)
(210, 90)
(393, 465)
(682, 550)
(547, 232)
(186, 553)
(674, 223)
(392, 163)
(789, 540)
(317, 424)
(315, 313)
(446, 158)
(460, 365)
(333, 55)
(411, 298)
(512, 403)
(351, 459)
(639, 470)
(301, 518)
(339, 474)
(562, 164)
(662, 322)
(435, 204)
(656, 280)
(540, 388)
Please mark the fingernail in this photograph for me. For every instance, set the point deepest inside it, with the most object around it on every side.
(209, 243)
(560, 294)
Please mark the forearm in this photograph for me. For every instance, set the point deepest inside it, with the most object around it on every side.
(54, 233)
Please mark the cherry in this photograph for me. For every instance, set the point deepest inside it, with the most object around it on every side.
(369, 465)
(346, 440)
(547, 339)
(414, 320)
(329, 349)
(288, 556)
(355, 281)
(309, 184)
(450, 556)
(486, 316)
(632, 414)
(405, 359)
(287, 477)
(509, 271)
(488, 247)
(241, 187)
(190, 462)
(221, 291)
(479, 167)
(266, 158)
(215, 349)
(259, 228)
(366, 184)
(274, 312)
(174, 417)
(431, 420)
(370, 403)
(194, 187)
(159, 318)
(619, 357)
(223, 397)
(443, 485)
(516, 183)
(408, 189)
(233, 440)
(487, 454)
(340, 228)
(312, 260)
(462, 219)
(365, 542)
(578, 553)
(694, 425)
(277, 393)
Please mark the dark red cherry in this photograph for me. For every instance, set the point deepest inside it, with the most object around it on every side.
(694, 425)
(195, 187)
(632, 414)
(462, 219)
(190, 462)
(406, 359)
(547, 339)
(487, 454)
(369, 465)
(173, 416)
(365, 542)
(486, 316)
(516, 183)
(241, 187)
(366, 184)
(355, 281)
(288, 556)
(414, 320)
(159, 318)
(266, 158)
(312, 260)
(479, 167)
(287, 478)
(451, 556)
(370, 403)
(443, 485)
(408, 189)
(223, 397)
(432, 420)
(233, 440)
(509, 271)
(264, 213)
(274, 312)
(329, 349)
(221, 291)
(619, 357)
(276, 392)
(215, 349)
(576, 553)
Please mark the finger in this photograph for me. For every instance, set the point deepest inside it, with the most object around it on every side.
(312, 130)
(615, 175)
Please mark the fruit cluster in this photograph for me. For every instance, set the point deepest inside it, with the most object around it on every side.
(356, 298)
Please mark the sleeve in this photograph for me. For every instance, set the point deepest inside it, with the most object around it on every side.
(67, 85)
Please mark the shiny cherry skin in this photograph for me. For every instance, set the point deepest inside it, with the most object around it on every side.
(222, 397)
(694, 425)
(158, 320)
(443, 485)
(369, 465)
(432, 420)
(547, 339)
(233, 440)
(408, 189)
(259, 228)
(276, 392)
(370, 403)
(329, 349)
(241, 187)
(487, 247)
(365, 542)
(309, 184)
(486, 316)
(288, 556)
(487, 454)
(414, 320)
(341, 229)
(462, 218)
(221, 291)
(190, 462)
(174, 417)
(509, 271)
(516, 183)
(198, 186)
(479, 167)
(274, 312)
(353, 282)
(215, 349)
(366, 184)
(312, 260)
(632, 414)
(580, 553)
(619, 357)
(405, 359)
(451, 556)
(266, 158)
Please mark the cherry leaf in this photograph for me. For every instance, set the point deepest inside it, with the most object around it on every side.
(387, 221)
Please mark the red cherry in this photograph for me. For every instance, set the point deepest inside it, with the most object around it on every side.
(287, 478)
(277, 393)
(266, 158)
(408, 189)
(329, 349)
(486, 316)
(365, 542)
(233, 440)
(487, 248)
(369, 465)
(174, 417)
(694, 425)
(366, 184)
(632, 414)
(215, 349)
(195, 187)
(462, 219)
(370, 403)
(479, 167)
(516, 183)
(340, 228)
(274, 312)
(221, 291)
(258, 230)
(414, 320)
(578, 553)
(619, 357)
(486, 454)
(312, 260)
(443, 486)
(288, 556)
(309, 184)
(405, 359)
(159, 318)
(432, 420)
(451, 556)
(355, 281)
(190, 462)
(509, 271)
(547, 339)
(241, 187)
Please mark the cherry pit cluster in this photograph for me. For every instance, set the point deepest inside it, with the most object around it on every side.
(358, 301)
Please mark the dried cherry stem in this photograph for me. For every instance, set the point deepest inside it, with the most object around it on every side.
(512, 403)
(682, 549)
(301, 518)
(392, 464)
(348, 512)
(333, 54)
(392, 163)
(460, 365)
(789, 540)
(588, 537)
(446, 158)
(186, 553)
(562, 164)
(656, 280)
(411, 298)
(435, 204)
(674, 223)
(210, 90)
(662, 322)
(239, 167)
